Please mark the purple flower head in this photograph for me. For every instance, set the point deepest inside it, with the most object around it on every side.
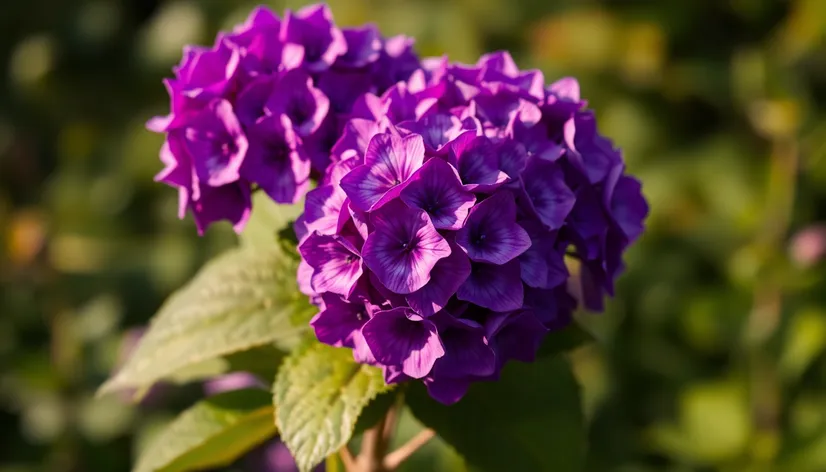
(273, 456)
(263, 108)
(312, 27)
(562, 100)
(516, 335)
(543, 265)
(437, 244)
(401, 105)
(262, 51)
(344, 87)
(628, 207)
(498, 110)
(354, 139)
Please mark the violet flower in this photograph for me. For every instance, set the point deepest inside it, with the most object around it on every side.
(262, 108)
(436, 245)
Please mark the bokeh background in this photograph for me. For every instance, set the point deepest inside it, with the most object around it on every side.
(711, 357)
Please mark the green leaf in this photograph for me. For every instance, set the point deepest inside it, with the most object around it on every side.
(564, 340)
(261, 361)
(268, 220)
(243, 299)
(531, 419)
(320, 392)
(213, 433)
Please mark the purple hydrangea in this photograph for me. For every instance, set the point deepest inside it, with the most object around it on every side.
(436, 245)
(262, 108)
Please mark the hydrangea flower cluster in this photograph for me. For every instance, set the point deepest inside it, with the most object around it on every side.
(262, 107)
(435, 245)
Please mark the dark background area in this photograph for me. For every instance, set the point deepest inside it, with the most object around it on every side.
(712, 355)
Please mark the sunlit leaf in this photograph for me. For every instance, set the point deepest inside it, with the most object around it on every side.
(213, 433)
(243, 299)
(319, 393)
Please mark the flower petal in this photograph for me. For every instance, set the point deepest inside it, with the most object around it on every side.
(388, 163)
(491, 233)
(466, 349)
(337, 266)
(446, 391)
(403, 248)
(548, 195)
(336, 323)
(400, 337)
(436, 189)
(497, 287)
(476, 160)
(446, 277)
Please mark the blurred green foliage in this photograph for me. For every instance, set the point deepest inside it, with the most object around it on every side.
(710, 358)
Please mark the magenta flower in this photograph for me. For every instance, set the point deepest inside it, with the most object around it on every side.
(263, 108)
(389, 162)
(336, 263)
(312, 28)
(276, 161)
(403, 247)
(217, 144)
(491, 234)
(295, 97)
(400, 337)
(338, 322)
(436, 189)
(477, 162)
(463, 188)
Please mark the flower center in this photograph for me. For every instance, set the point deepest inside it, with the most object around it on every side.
(228, 148)
(480, 239)
(298, 112)
(432, 207)
(407, 246)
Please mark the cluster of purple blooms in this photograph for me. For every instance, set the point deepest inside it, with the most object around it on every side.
(449, 195)
(262, 107)
(435, 245)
